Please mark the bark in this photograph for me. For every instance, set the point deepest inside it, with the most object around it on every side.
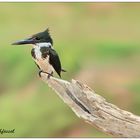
(94, 109)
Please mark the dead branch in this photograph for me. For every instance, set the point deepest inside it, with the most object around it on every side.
(94, 109)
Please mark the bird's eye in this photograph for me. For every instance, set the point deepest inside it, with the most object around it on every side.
(37, 38)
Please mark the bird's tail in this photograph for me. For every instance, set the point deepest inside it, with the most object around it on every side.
(63, 70)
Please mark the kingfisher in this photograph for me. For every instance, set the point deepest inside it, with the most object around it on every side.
(43, 53)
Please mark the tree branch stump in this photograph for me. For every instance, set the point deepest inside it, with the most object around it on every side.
(94, 109)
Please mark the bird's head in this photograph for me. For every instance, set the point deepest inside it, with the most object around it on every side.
(39, 39)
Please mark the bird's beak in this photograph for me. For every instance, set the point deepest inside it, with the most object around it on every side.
(24, 41)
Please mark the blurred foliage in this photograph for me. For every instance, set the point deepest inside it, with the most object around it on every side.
(98, 44)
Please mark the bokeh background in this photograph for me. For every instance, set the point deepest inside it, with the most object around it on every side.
(98, 43)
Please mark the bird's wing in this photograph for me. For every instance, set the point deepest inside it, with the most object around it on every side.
(55, 61)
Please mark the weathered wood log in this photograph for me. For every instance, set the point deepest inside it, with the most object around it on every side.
(94, 109)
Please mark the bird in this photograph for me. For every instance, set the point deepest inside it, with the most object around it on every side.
(43, 53)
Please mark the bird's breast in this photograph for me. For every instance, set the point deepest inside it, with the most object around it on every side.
(41, 58)
(38, 54)
(44, 64)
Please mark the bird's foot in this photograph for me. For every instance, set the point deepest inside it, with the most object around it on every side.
(49, 74)
(40, 73)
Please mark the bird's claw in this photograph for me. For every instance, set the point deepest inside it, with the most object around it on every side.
(49, 74)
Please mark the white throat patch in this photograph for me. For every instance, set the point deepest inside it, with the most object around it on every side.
(44, 44)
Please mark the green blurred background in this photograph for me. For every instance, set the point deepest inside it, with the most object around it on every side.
(98, 43)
